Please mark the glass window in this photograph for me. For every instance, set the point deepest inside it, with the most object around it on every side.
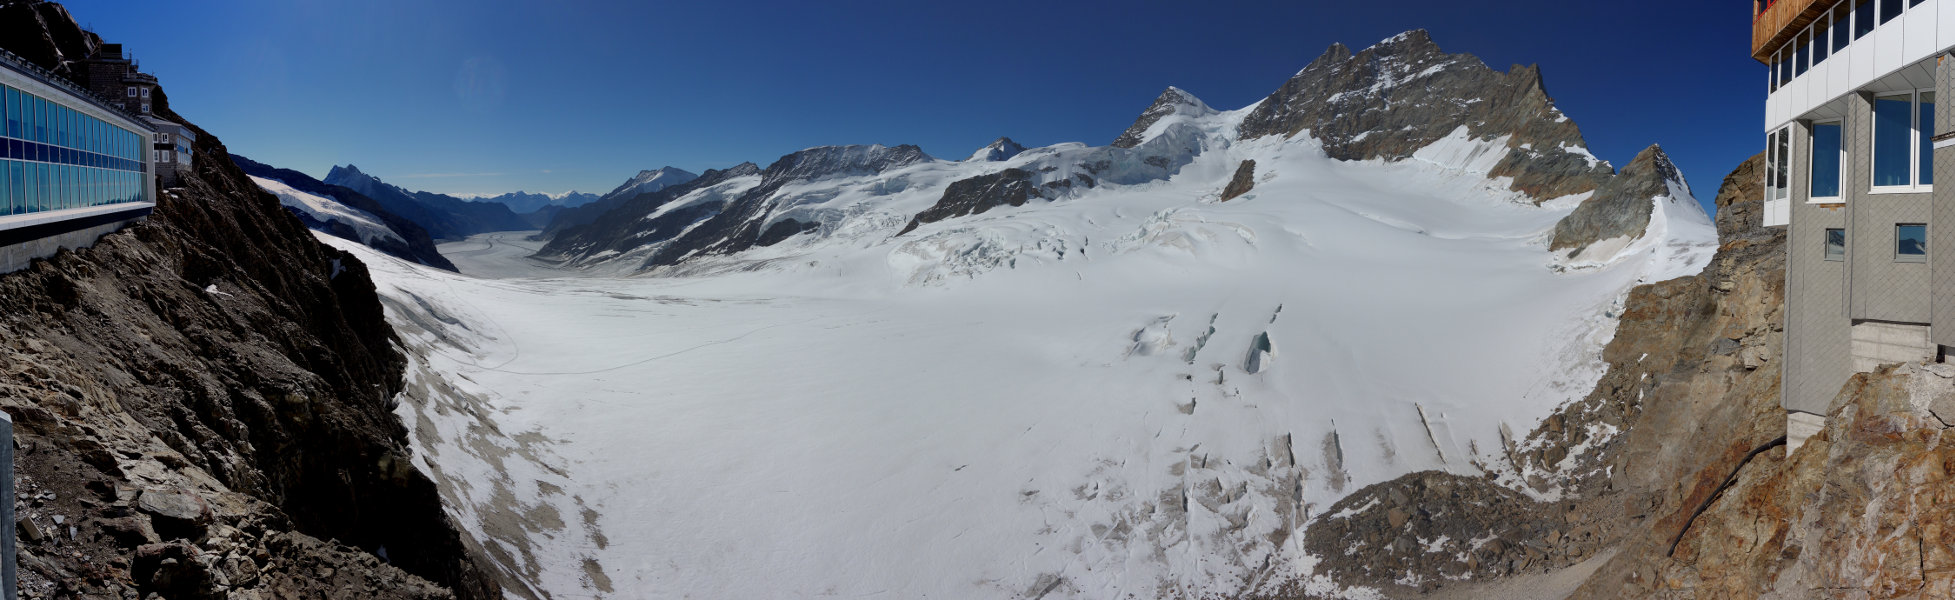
(6, 188)
(1842, 22)
(1889, 9)
(1825, 161)
(1893, 139)
(1784, 165)
(1863, 18)
(1785, 68)
(1925, 132)
(20, 187)
(1799, 56)
(13, 112)
(1913, 2)
(1819, 46)
(1836, 244)
(1910, 242)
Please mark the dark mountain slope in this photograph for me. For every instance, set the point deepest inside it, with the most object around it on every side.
(418, 247)
(206, 396)
(446, 218)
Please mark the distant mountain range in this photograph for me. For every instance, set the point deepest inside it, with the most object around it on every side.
(524, 202)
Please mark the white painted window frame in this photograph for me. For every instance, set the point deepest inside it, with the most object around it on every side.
(1810, 171)
(1914, 145)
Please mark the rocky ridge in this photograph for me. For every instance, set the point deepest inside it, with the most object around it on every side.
(203, 402)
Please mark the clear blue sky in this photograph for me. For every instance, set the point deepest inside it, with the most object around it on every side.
(489, 96)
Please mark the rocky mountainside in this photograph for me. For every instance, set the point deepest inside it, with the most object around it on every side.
(1403, 99)
(1690, 400)
(410, 241)
(645, 182)
(446, 218)
(203, 402)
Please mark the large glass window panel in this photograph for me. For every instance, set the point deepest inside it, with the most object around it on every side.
(1826, 160)
(1893, 139)
(1889, 9)
(1771, 164)
(1785, 68)
(13, 112)
(6, 188)
(1925, 132)
(1836, 244)
(1842, 23)
(1911, 242)
(1819, 46)
(1799, 56)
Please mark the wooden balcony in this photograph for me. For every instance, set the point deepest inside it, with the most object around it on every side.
(1775, 25)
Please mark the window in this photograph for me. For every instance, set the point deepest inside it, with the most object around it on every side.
(1863, 19)
(1804, 42)
(1785, 68)
(1911, 242)
(1836, 244)
(1842, 26)
(1781, 164)
(145, 108)
(1826, 155)
(1903, 150)
(1819, 40)
(145, 92)
(1889, 9)
(132, 91)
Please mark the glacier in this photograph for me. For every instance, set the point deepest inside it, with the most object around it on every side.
(1131, 389)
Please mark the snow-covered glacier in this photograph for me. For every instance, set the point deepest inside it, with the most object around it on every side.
(1132, 389)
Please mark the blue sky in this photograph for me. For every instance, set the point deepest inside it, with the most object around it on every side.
(489, 96)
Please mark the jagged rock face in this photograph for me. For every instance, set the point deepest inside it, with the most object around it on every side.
(743, 224)
(1404, 93)
(1243, 181)
(219, 351)
(631, 221)
(1010, 187)
(415, 244)
(446, 218)
(1000, 149)
(1622, 206)
(1171, 101)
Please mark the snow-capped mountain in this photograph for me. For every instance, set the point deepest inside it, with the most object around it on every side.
(1064, 372)
(525, 202)
(445, 217)
(1000, 149)
(650, 181)
(345, 213)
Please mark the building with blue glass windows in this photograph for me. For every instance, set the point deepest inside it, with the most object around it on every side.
(73, 167)
(1855, 139)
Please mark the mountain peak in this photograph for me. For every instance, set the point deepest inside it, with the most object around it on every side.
(821, 162)
(1171, 101)
(651, 180)
(999, 149)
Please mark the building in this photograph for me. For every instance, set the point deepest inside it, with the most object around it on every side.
(1855, 141)
(73, 166)
(114, 75)
(172, 149)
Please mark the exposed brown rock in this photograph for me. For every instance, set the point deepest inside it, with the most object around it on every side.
(1244, 180)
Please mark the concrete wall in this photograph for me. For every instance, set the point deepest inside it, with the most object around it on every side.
(1941, 233)
(1817, 330)
(20, 256)
(1876, 343)
(1879, 288)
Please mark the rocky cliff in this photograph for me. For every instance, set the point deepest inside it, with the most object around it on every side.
(203, 403)
(414, 243)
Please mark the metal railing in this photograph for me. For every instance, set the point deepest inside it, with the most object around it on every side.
(34, 71)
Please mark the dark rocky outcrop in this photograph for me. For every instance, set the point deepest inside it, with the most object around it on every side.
(1622, 206)
(1243, 181)
(1010, 187)
(446, 218)
(1401, 95)
(219, 353)
(1171, 101)
(414, 245)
